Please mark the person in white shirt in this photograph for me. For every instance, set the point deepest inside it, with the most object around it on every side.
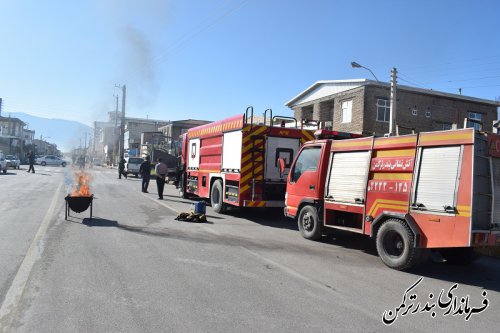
(161, 173)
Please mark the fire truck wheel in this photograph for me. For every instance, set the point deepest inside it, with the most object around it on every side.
(395, 245)
(216, 197)
(309, 224)
(459, 255)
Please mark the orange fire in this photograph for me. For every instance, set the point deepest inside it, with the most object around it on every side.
(82, 187)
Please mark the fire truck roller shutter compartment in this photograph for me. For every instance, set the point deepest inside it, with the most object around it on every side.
(194, 154)
(285, 148)
(348, 177)
(437, 181)
(495, 164)
(231, 151)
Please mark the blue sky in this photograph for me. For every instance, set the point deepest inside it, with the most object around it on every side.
(210, 59)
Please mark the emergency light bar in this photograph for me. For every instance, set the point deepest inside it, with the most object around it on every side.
(327, 134)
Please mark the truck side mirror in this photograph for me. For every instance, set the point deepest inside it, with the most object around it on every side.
(282, 164)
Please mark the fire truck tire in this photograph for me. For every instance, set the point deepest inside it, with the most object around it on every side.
(395, 245)
(459, 255)
(217, 196)
(308, 222)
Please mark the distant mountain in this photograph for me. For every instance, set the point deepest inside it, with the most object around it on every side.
(67, 134)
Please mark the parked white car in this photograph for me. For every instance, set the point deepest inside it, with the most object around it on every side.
(13, 161)
(3, 163)
(51, 160)
(133, 164)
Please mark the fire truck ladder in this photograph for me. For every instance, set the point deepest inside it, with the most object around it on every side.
(258, 153)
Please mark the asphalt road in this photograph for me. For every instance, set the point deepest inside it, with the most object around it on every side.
(133, 268)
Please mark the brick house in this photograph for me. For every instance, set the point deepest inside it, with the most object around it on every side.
(362, 106)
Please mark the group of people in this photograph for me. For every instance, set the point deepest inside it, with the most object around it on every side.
(161, 171)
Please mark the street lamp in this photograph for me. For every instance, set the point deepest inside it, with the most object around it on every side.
(392, 111)
(356, 65)
(43, 143)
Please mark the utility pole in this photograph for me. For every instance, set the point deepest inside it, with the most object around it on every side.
(392, 109)
(85, 148)
(122, 124)
(115, 139)
(93, 142)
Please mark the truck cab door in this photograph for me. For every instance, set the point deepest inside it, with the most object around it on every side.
(303, 179)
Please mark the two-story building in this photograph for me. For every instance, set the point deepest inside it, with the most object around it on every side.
(174, 129)
(363, 106)
(12, 136)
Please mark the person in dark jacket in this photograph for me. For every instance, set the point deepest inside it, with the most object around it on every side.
(31, 160)
(145, 171)
(121, 168)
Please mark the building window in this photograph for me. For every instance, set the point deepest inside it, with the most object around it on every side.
(475, 116)
(428, 114)
(346, 111)
(383, 110)
(414, 112)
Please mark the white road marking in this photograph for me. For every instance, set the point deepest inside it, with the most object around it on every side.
(14, 295)
(175, 210)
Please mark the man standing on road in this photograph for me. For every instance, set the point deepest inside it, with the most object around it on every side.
(121, 169)
(145, 171)
(161, 172)
(31, 160)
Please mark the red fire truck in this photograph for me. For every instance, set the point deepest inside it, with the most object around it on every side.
(412, 193)
(234, 161)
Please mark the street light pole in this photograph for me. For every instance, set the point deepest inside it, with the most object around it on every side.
(122, 125)
(393, 99)
(356, 65)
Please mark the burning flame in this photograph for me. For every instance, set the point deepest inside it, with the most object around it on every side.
(82, 187)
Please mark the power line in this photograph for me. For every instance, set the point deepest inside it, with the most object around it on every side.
(410, 80)
(477, 78)
(451, 74)
(449, 69)
(452, 62)
(209, 22)
(181, 42)
(485, 86)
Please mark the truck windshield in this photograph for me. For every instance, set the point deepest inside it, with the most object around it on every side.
(307, 161)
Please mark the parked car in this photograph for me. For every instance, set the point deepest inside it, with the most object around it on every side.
(3, 163)
(50, 160)
(96, 161)
(13, 162)
(133, 165)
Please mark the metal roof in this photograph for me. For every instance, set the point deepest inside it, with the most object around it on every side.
(345, 85)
